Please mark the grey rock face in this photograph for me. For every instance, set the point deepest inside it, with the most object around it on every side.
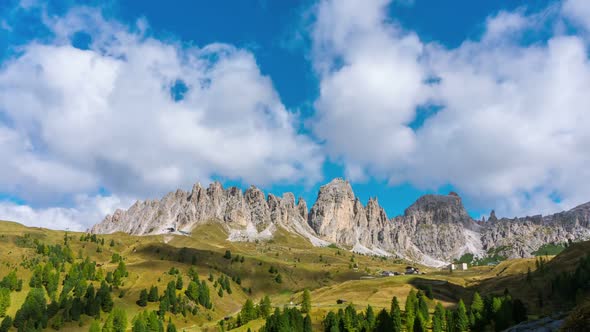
(434, 230)
(520, 237)
(246, 215)
(334, 215)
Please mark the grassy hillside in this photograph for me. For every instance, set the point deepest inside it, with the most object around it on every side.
(281, 268)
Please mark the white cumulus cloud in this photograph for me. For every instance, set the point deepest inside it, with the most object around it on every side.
(138, 116)
(106, 116)
(87, 211)
(511, 129)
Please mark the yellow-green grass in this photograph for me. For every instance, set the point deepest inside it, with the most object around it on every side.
(327, 272)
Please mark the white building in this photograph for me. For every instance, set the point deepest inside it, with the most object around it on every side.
(458, 267)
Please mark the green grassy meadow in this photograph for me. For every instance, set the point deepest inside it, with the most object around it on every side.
(330, 273)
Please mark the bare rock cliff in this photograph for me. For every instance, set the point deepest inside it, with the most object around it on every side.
(434, 230)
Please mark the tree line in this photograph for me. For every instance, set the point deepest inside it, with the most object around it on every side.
(495, 312)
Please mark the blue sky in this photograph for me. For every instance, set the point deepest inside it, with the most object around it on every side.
(368, 91)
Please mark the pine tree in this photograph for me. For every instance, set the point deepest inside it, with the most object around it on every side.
(438, 319)
(77, 308)
(92, 304)
(153, 295)
(105, 298)
(119, 320)
(476, 311)
(164, 306)
(449, 324)
(143, 298)
(192, 291)
(307, 324)
(419, 324)
(112, 244)
(10, 281)
(139, 324)
(171, 327)
(153, 322)
(423, 308)
(477, 303)
(248, 312)
(370, 317)
(33, 313)
(179, 282)
(461, 321)
(204, 297)
(4, 301)
(306, 302)
(396, 315)
(383, 322)
(6, 324)
(411, 302)
(264, 307)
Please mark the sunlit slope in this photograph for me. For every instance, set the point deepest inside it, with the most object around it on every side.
(281, 268)
(149, 258)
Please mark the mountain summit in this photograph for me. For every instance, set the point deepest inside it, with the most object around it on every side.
(433, 231)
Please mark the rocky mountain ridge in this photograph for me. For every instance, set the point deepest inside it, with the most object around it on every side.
(433, 231)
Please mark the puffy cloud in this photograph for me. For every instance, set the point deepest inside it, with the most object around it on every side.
(578, 11)
(371, 82)
(87, 211)
(511, 127)
(140, 116)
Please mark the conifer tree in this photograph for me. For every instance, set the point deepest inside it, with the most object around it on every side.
(164, 306)
(6, 324)
(411, 302)
(396, 315)
(476, 310)
(143, 298)
(179, 282)
(4, 301)
(171, 327)
(153, 294)
(92, 304)
(104, 297)
(139, 324)
(383, 322)
(33, 313)
(307, 324)
(370, 317)
(419, 324)
(438, 319)
(153, 322)
(449, 323)
(248, 312)
(204, 297)
(423, 308)
(461, 321)
(264, 307)
(192, 291)
(306, 303)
